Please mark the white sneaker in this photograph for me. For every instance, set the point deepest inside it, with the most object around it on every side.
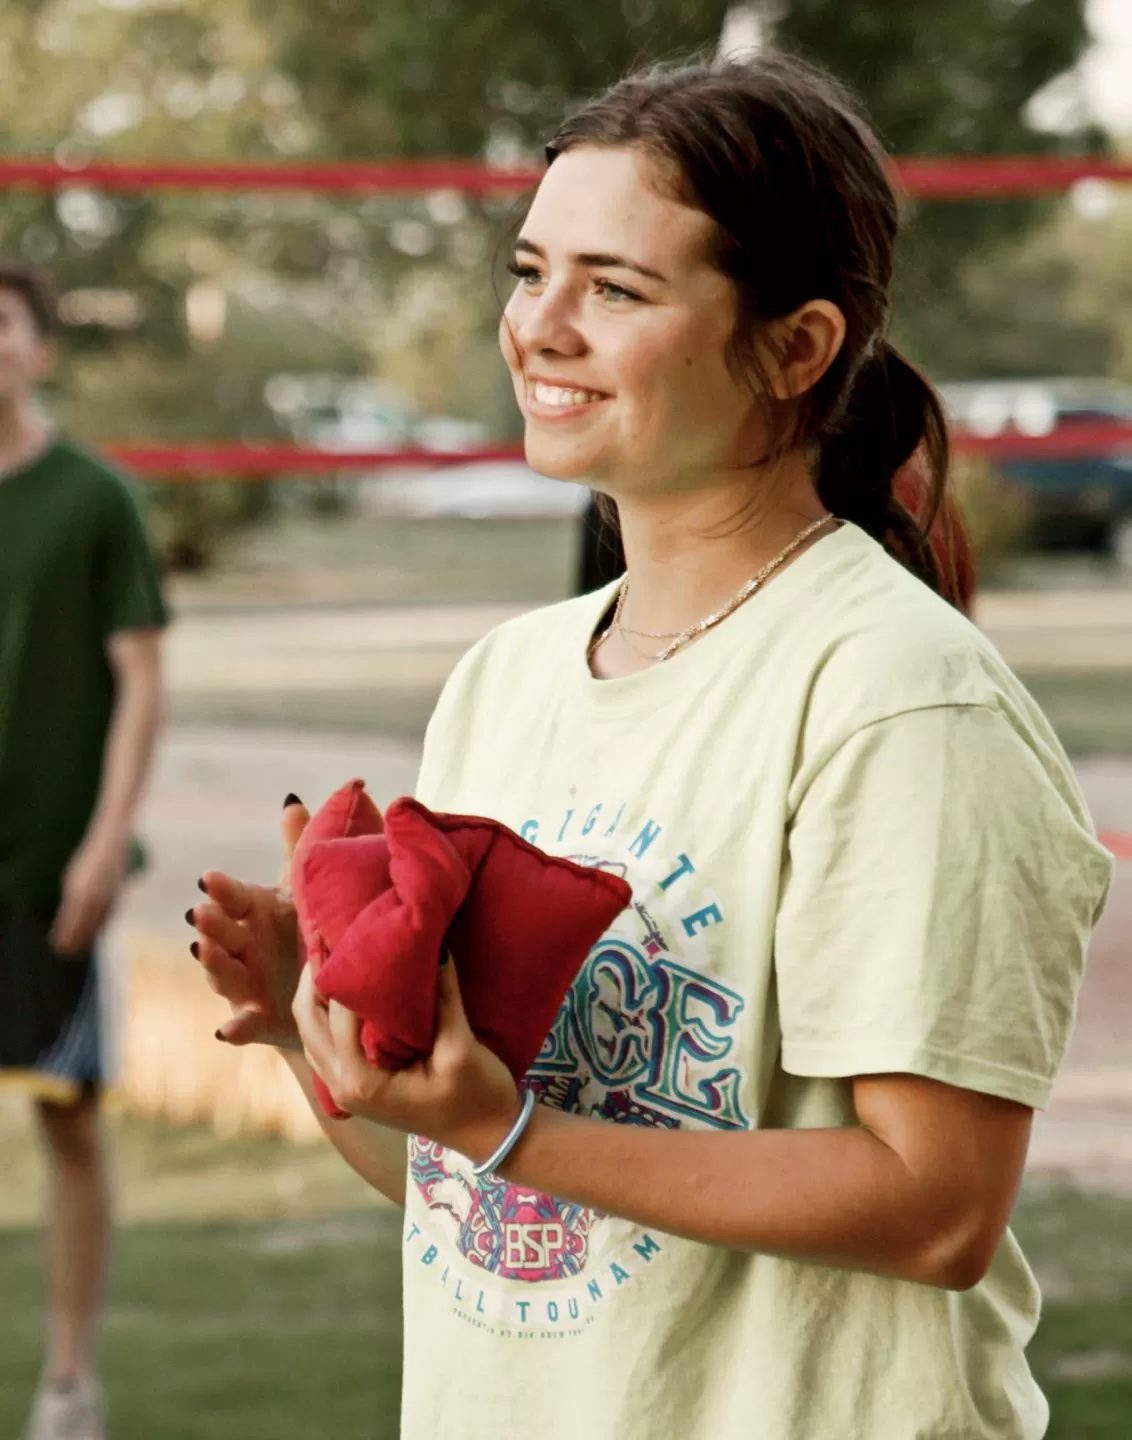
(72, 1410)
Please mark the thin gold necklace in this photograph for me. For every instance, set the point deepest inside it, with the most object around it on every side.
(679, 638)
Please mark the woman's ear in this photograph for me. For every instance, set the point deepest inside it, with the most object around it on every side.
(801, 347)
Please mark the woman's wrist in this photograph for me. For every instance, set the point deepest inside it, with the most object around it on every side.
(480, 1141)
(499, 1157)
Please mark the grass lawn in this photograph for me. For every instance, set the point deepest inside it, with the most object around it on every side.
(1081, 1247)
(256, 1289)
(288, 1329)
(256, 1294)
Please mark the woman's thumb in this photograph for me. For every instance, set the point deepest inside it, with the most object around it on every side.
(296, 817)
(450, 1002)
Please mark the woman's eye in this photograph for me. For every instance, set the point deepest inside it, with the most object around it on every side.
(525, 274)
(609, 291)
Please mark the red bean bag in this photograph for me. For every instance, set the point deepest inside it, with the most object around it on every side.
(379, 903)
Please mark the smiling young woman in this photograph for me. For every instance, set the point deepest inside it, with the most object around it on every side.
(784, 1113)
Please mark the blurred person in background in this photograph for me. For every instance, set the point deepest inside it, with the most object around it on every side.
(784, 1113)
(81, 615)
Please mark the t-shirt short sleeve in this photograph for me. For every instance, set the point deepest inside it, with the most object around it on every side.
(939, 891)
(128, 586)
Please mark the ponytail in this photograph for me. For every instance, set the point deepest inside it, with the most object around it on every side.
(885, 467)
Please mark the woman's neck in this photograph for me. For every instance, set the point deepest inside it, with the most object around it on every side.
(688, 554)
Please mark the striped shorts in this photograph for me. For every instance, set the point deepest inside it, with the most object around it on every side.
(53, 1014)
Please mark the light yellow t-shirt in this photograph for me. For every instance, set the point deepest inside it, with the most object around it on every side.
(855, 846)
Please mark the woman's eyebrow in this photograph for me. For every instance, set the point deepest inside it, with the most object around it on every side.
(597, 261)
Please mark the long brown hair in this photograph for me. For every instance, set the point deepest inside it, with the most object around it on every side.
(779, 156)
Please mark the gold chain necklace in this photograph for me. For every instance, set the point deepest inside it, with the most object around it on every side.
(679, 638)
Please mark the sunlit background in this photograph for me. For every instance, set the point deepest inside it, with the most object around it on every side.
(321, 603)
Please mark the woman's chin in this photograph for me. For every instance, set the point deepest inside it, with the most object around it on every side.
(557, 461)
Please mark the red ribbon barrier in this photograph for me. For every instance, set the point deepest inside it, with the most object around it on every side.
(942, 177)
(237, 460)
(335, 177)
(927, 176)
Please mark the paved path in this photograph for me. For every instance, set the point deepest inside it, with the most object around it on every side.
(1042, 632)
(327, 664)
(217, 795)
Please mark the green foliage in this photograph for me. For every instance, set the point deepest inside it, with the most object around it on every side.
(421, 77)
(943, 78)
(288, 1329)
(1062, 292)
(286, 1320)
(997, 514)
(398, 286)
(954, 79)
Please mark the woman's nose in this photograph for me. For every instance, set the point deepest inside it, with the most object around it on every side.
(549, 324)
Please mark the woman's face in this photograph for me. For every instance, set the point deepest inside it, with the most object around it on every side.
(616, 335)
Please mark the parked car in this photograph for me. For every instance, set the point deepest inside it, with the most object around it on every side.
(1078, 501)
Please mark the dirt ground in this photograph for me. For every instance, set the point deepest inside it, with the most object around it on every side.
(218, 791)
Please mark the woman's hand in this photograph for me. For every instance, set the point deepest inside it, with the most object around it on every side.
(462, 1096)
(249, 948)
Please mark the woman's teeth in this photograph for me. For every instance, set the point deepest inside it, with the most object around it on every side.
(556, 395)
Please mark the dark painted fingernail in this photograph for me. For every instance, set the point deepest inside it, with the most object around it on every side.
(444, 959)
(202, 887)
(291, 799)
(189, 917)
(194, 949)
(220, 1037)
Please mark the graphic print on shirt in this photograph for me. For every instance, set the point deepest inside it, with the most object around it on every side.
(646, 1036)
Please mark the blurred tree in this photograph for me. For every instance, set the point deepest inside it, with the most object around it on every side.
(1063, 291)
(418, 77)
(384, 280)
(397, 283)
(108, 80)
(952, 77)
(462, 78)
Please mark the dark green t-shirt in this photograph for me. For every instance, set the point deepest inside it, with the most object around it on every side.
(75, 568)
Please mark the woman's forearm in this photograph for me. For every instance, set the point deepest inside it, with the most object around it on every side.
(377, 1154)
(840, 1197)
(919, 1188)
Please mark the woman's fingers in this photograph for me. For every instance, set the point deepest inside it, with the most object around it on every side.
(452, 1021)
(232, 895)
(346, 1033)
(227, 975)
(358, 1081)
(313, 1023)
(245, 1027)
(216, 924)
(295, 819)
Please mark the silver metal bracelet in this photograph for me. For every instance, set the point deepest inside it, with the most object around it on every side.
(510, 1140)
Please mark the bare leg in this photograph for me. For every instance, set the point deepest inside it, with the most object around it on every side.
(77, 1236)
